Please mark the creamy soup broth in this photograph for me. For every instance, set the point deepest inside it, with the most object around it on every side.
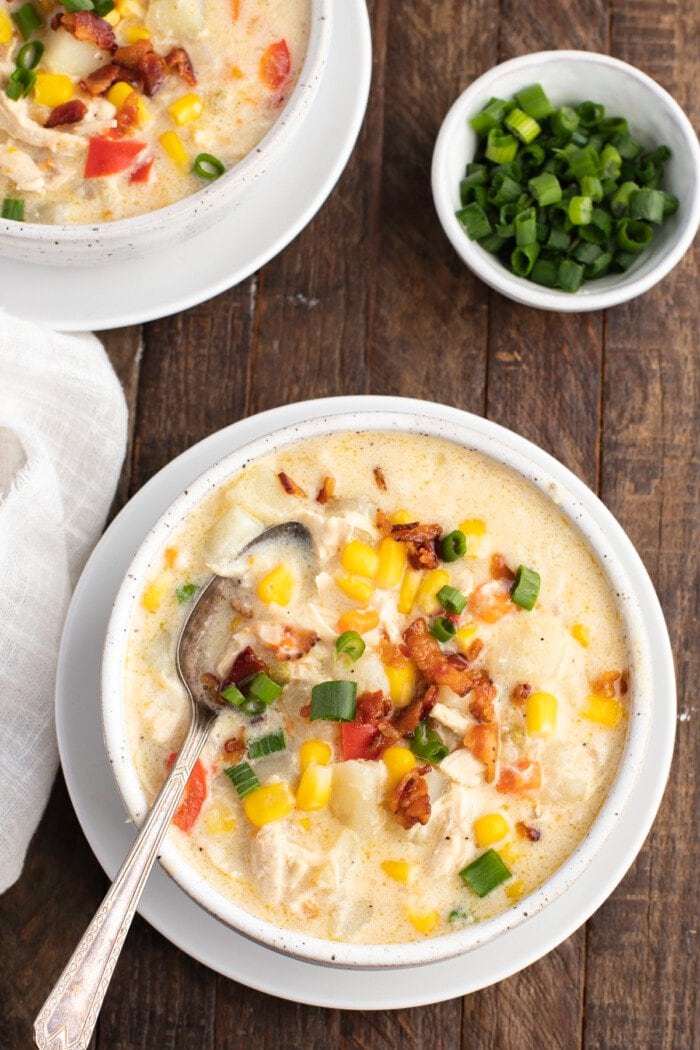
(188, 77)
(368, 843)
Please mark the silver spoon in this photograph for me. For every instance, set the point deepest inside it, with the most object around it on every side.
(67, 1018)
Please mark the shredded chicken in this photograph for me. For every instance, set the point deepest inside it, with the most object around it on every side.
(18, 166)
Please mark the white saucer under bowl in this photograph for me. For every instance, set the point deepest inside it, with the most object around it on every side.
(275, 209)
(170, 910)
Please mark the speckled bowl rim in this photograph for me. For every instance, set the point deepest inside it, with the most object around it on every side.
(638, 607)
(228, 187)
(486, 266)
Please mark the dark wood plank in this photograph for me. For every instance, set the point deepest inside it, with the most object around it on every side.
(642, 974)
(124, 347)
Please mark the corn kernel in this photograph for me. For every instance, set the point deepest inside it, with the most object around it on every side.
(398, 761)
(314, 751)
(474, 529)
(360, 559)
(218, 819)
(431, 583)
(305, 823)
(515, 890)
(392, 561)
(400, 870)
(582, 634)
(541, 714)
(409, 589)
(153, 595)
(269, 802)
(314, 789)
(355, 587)
(402, 681)
(237, 73)
(186, 109)
(132, 34)
(6, 27)
(424, 922)
(130, 8)
(277, 586)
(52, 89)
(360, 620)
(465, 636)
(236, 624)
(112, 17)
(490, 828)
(401, 517)
(603, 709)
(171, 143)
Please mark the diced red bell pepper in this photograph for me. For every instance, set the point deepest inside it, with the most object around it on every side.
(109, 156)
(195, 793)
(143, 173)
(275, 65)
(355, 740)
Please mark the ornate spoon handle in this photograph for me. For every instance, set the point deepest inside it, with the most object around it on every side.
(67, 1018)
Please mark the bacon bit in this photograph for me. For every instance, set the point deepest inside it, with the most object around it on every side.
(414, 532)
(86, 25)
(371, 707)
(289, 486)
(527, 831)
(67, 113)
(101, 80)
(490, 602)
(325, 493)
(604, 685)
(241, 607)
(294, 643)
(408, 717)
(525, 775)
(475, 649)
(481, 705)
(141, 58)
(383, 522)
(452, 670)
(275, 66)
(212, 687)
(305, 710)
(235, 9)
(410, 800)
(246, 663)
(624, 683)
(482, 740)
(499, 568)
(143, 173)
(128, 114)
(520, 692)
(392, 654)
(379, 478)
(235, 746)
(178, 61)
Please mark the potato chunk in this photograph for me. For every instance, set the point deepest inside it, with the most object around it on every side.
(175, 19)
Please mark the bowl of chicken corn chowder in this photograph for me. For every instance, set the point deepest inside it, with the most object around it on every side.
(129, 124)
(428, 726)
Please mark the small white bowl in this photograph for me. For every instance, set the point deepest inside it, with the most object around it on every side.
(570, 77)
(97, 243)
(619, 561)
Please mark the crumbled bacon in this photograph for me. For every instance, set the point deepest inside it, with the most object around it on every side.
(500, 569)
(141, 58)
(408, 717)
(178, 61)
(235, 746)
(452, 670)
(211, 686)
(383, 522)
(246, 663)
(67, 113)
(410, 800)
(101, 80)
(605, 684)
(87, 26)
(371, 707)
(481, 704)
(520, 692)
(294, 643)
(624, 683)
(379, 478)
(527, 831)
(393, 655)
(305, 710)
(325, 493)
(475, 650)
(290, 486)
(128, 113)
(420, 543)
(482, 741)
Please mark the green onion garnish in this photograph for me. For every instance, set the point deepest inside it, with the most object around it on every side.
(81, 5)
(234, 696)
(460, 915)
(350, 646)
(523, 126)
(580, 210)
(451, 599)
(243, 779)
(443, 629)
(267, 745)
(564, 122)
(252, 707)
(485, 873)
(647, 204)
(20, 83)
(490, 117)
(261, 687)
(187, 591)
(334, 701)
(526, 588)
(500, 148)
(27, 19)
(29, 55)
(103, 7)
(208, 167)
(590, 114)
(533, 101)
(473, 219)
(12, 208)
(426, 744)
(453, 546)
(545, 189)
(523, 259)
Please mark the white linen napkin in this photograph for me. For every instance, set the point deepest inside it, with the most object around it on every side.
(63, 424)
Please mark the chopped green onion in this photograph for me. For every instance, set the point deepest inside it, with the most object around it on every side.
(587, 252)
(29, 55)
(610, 162)
(267, 745)
(580, 210)
(243, 779)
(590, 114)
(187, 591)
(584, 161)
(27, 19)
(453, 546)
(427, 744)
(350, 646)
(208, 167)
(532, 156)
(233, 695)
(523, 259)
(261, 687)
(570, 279)
(647, 204)
(500, 148)
(600, 266)
(20, 83)
(626, 146)
(473, 220)
(77, 5)
(504, 190)
(545, 189)
(459, 915)
(671, 204)
(526, 227)
(103, 7)
(12, 208)
(443, 629)
(451, 599)
(559, 239)
(612, 126)
(335, 701)
(545, 272)
(632, 235)
(533, 101)
(490, 117)
(526, 588)
(493, 243)
(523, 126)
(485, 873)
(252, 707)
(592, 187)
(564, 122)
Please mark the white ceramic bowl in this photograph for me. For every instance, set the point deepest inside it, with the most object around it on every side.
(627, 577)
(90, 245)
(574, 76)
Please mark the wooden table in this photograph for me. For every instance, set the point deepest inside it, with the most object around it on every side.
(371, 298)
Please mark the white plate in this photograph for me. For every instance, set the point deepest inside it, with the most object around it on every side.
(274, 211)
(170, 910)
